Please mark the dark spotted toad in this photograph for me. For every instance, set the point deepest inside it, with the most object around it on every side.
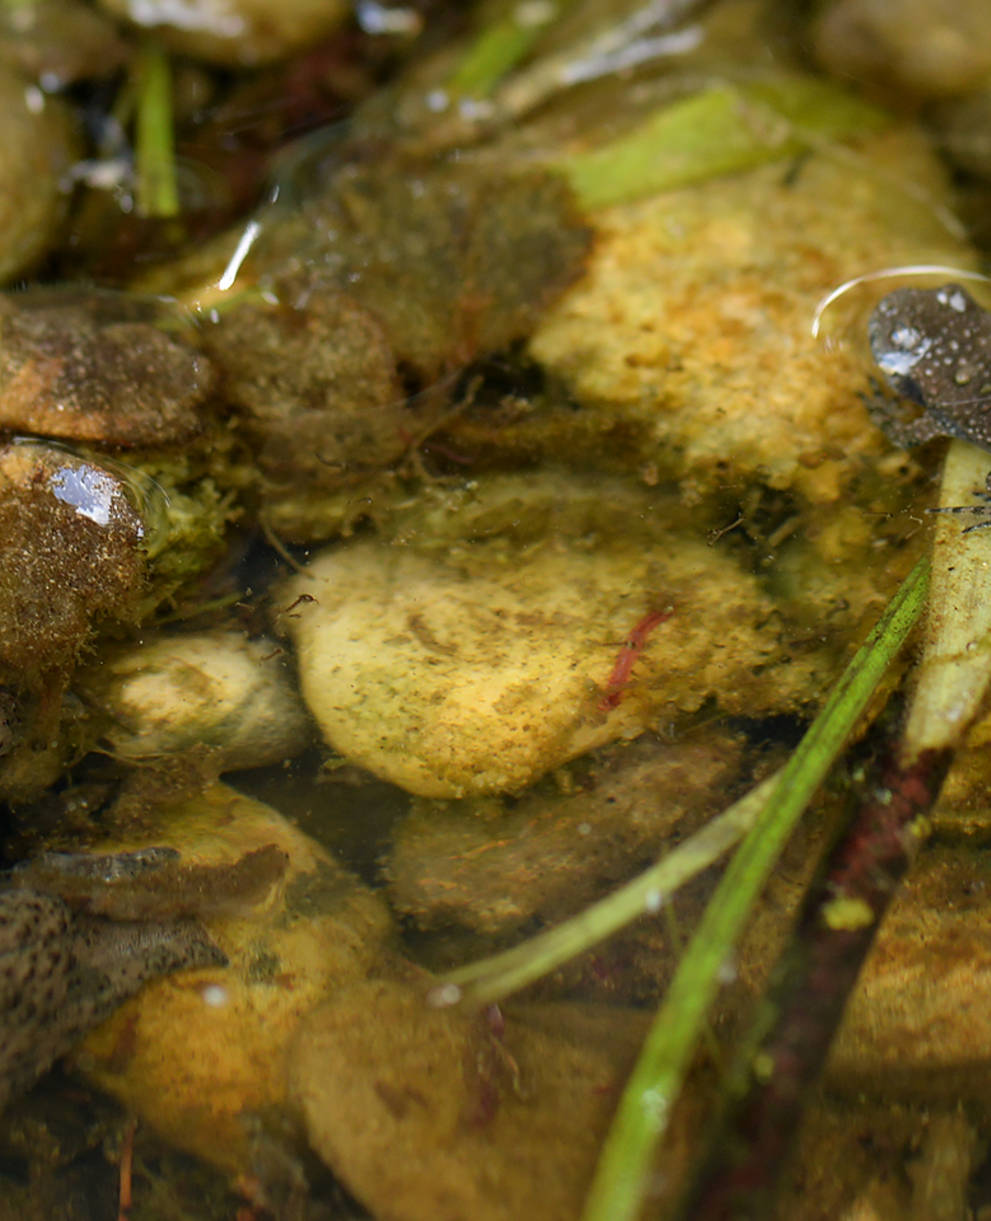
(62, 972)
(934, 348)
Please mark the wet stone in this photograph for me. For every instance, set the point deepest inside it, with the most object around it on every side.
(449, 1114)
(496, 865)
(70, 552)
(90, 365)
(316, 394)
(216, 692)
(917, 48)
(199, 1058)
(919, 1021)
(454, 261)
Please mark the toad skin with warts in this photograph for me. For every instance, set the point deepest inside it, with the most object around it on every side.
(62, 973)
(934, 348)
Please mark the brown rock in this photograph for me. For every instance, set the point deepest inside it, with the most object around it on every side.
(94, 366)
(441, 1114)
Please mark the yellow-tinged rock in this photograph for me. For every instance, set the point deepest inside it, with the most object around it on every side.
(481, 669)
(165, 695)
(451, 1116)
(692, 326)
(195, 1055)
(919, 1021)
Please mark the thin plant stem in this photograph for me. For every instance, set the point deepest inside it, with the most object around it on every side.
(494, 978)
(157, 189)
(500, 47)
(779, 1062)
(620, 1185)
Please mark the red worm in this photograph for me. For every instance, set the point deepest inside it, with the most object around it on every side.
(630, 650)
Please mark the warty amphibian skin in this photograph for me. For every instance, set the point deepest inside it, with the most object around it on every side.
(63, 973)
(934, 348)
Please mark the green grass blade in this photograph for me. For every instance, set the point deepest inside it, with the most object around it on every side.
(619, 1187)
(492, 979)
(723, 129)
(500, 47)
(157, 189)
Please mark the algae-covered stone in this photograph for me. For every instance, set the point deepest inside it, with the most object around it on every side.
(90, 365)
(692, 329)
(195, 1058)
(438, 1113)
(495, 865)
(454, 259)
(474, 666)
(394, 275)
(317, 398)
(918, 1021)
(214, 691)
(70, 553)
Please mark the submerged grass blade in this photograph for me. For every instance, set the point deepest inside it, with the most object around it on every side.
(494, 978)
(157, 189)
(723, 129)
(619, 1187)
(500, 47)
(779, 1062)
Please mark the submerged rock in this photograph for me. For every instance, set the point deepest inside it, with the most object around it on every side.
(376, 291)
(919, 1021)
(216, 692)
(88, 365)
(317, 397)
(477, 658)
(198, 1057)
(923, 48)
(497, 865)
(71, 552)
(692, 329)
(447, 1115)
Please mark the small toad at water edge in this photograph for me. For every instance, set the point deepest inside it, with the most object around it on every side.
(62, 972)
(934, 348)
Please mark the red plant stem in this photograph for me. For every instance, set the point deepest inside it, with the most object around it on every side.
(812, 981)
(630, 650)
(125, 1198)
